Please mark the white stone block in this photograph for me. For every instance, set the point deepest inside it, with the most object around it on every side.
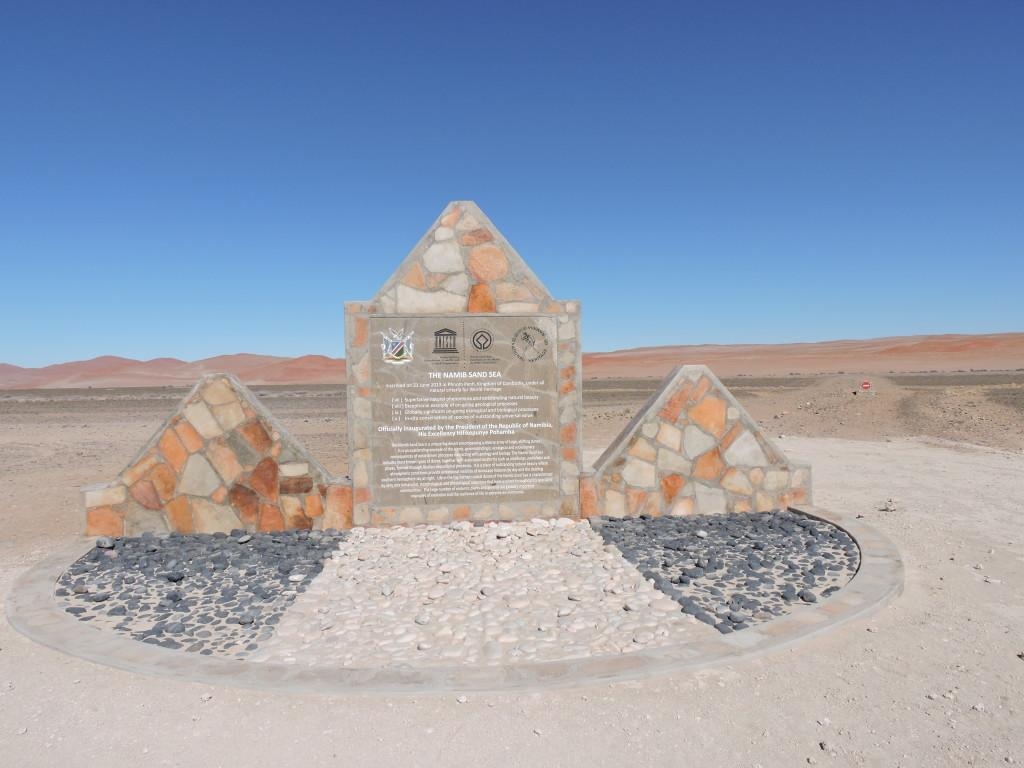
(199, 416)
(639, 473)
(614, 504)
(444, 258)
(711, 501)
(428, 302)
(103, 495)
(670, 436)
(457, 284)
(696, 441)
(745, 451)
(294, 469)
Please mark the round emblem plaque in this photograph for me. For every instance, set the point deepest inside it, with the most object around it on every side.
(530, 343)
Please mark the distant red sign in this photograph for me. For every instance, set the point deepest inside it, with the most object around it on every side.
(865, 384)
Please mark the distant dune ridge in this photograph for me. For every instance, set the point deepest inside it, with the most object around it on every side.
(903, 354)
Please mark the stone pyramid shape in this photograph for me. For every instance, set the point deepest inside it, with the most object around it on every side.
(463, 264)
(694, 449)
(221, 462)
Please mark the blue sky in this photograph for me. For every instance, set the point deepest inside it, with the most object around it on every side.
(193, 179)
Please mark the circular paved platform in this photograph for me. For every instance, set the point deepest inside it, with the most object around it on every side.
(622, 628)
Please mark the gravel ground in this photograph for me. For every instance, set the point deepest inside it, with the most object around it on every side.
(211, 594)
(734, 571)
(458, 594)
(464, 594)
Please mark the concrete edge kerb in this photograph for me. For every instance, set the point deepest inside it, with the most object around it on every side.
(33, 611)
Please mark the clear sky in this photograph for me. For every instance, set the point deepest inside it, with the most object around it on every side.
(197, 178)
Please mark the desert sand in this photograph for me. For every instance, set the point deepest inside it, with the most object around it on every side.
(936, 462)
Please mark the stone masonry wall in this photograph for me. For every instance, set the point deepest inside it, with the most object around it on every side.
(220, 462)
(462, 265)
(693, 449)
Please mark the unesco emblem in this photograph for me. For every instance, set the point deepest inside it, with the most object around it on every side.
(530, 343)
(482, 340)
(444, 342)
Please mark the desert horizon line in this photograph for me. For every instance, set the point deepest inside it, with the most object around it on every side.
(724, 345)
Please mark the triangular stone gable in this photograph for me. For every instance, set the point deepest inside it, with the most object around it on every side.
(220, 462)
(694, 448)
(463, 264)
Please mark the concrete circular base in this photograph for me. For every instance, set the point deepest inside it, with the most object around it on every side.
(33, 611)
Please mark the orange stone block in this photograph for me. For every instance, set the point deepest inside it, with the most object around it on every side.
(635, 499)
(460, 513)
(191, 439)
(245, 503)
(264, 479)
(271, 519)
(144, 493)
(414, 278)
(481, 299)
(702, 388)
(652, 506)
(764, 502)
(104, 521)
(799, 495)
(338, 512)
(736, 431)
(360, 331)
(179, 515)
(568, 372)
(164, 481)
(174, 452)
(683, 506)
(256, 436)
(294, 515)
(451, 218)
(138, 470)
(476, 237)
(224, 460)
(567, 387)
(670, 487)
(588, 498)
(220, 495)
(361, 495)
(314, 505)
(709, 466)
(568, 433)
(709, 415)
(671, 410)
(756, 475)
(487, 263)
(742, 505)
(568, 453)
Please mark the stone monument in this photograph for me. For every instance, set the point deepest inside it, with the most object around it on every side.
(464, 403)
(464, 385)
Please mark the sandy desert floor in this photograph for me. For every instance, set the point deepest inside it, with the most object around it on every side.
(934, 679)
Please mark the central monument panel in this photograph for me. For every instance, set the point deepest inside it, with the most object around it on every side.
(464, 408)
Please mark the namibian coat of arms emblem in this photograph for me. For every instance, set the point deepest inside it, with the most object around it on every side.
(396, 346)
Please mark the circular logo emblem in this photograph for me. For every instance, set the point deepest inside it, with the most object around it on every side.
(482, 340)
(530, 343)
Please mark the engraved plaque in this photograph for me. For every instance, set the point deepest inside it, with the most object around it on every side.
(465, 409)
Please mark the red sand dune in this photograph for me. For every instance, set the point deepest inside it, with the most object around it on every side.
(905, 354)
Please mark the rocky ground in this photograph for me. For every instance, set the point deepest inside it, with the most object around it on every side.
(206, 594)
(932, 680)
(460, 594)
